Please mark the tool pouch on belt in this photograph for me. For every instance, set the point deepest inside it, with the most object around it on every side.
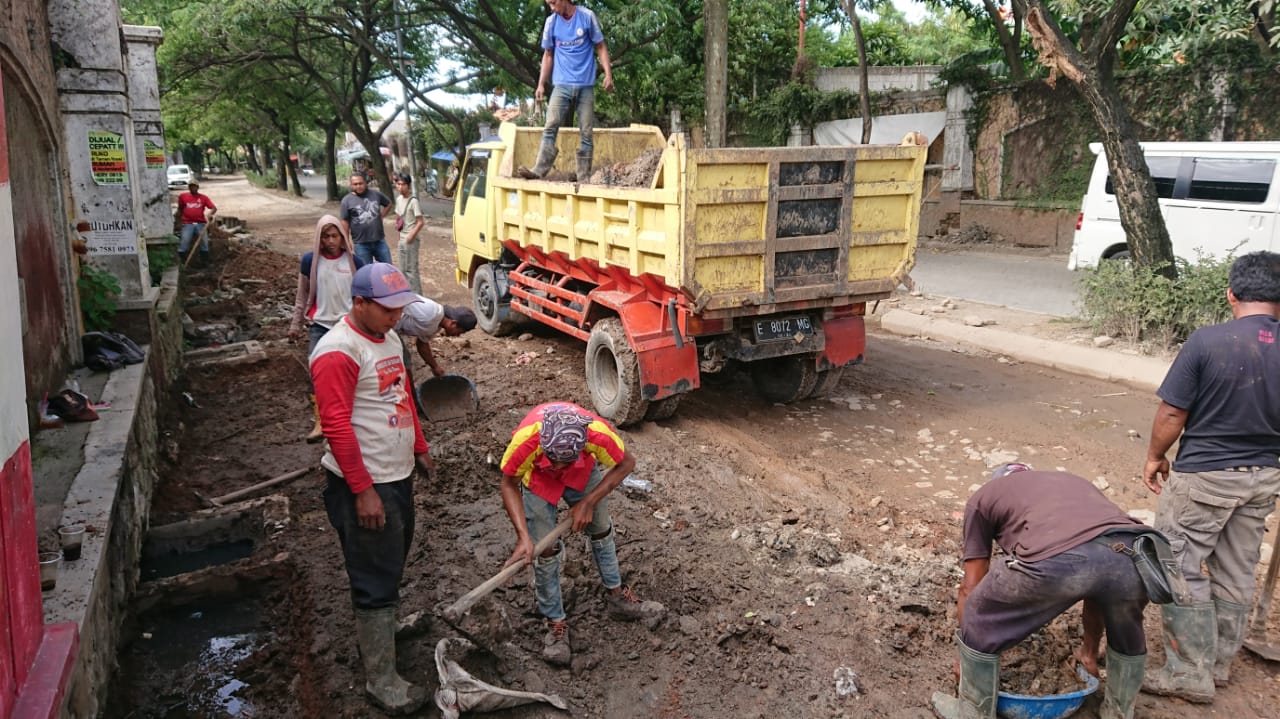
(1153, 558)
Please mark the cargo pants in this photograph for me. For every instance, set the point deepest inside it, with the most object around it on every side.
(1216, 520)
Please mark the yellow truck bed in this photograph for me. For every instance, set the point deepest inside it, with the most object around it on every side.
(735, 231)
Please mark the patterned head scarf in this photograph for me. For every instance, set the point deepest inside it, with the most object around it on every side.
(564, 433)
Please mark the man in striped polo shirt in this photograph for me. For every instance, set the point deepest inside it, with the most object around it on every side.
(562, 450)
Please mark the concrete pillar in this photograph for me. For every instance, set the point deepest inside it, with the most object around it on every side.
(957, 155)
(151, 187)
(102, 159)
(800, 136)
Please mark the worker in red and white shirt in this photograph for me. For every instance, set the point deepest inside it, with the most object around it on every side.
(562, 450)
(374, 443)
(194, 212)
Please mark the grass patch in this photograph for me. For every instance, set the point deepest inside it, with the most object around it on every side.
(1134, 303)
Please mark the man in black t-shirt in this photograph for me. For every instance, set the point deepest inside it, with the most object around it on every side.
(1222, 396)
(1046, 523)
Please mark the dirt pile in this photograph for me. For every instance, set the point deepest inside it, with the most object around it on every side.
(635, 173)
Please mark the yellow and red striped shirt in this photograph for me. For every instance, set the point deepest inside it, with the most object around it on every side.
(525, 460)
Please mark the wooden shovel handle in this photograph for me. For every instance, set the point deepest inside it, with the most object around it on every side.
(468, 600)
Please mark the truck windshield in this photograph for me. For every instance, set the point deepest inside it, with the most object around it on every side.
(474, 180)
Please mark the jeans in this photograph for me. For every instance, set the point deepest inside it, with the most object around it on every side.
(540, 517)
(1216, 520)
(373, 251)
(1016, 598)
(566, 99)
(374, 558)
(314, 332)
(189, 233)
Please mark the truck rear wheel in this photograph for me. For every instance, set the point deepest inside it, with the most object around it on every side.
(492, 314)
(785, 379)
(827, 381)
(613, 375)
(664, 408)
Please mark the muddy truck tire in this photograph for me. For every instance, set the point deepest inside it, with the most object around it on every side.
(784, 379)
(827, 381)
(664, 408)
(613, 374)
(492, 314)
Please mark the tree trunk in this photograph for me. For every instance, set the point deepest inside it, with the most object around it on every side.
(715, 64)
(1010, 42)
(331, 158)
(253, 158)
(864, 83)
(1091, 73)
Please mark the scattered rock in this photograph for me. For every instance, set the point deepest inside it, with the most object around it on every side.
(924, 436)
(525, 337)
(1145, 516)
(1103, 341)
(689, 626)
(1101, 483)
(975, 321)
(875, 501)
(938, 309)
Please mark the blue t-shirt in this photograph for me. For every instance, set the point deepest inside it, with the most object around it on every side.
(1227, 379)
(573, 43)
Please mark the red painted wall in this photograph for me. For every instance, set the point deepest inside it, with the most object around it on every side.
(45, 349)
(21, 573)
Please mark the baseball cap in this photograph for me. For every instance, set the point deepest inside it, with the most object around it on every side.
(193, 182)
(384, 284)
(1009, 468)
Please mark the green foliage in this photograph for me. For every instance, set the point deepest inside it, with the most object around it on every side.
(769, 121)
(159, 259)
(268, 181)
(98, 292)
(1136, 303)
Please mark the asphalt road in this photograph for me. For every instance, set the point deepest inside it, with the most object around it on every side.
(1022, 282)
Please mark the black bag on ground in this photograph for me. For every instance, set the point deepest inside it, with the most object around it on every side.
(110, 350)
(1153, 558)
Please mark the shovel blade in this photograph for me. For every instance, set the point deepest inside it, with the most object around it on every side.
(449, 397)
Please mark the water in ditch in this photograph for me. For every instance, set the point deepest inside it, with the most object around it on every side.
(191, 663)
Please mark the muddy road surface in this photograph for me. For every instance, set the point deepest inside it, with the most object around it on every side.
(791, 545)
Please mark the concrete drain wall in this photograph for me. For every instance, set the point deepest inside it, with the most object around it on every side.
(217, 627)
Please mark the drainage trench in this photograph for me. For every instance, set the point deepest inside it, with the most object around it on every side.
(217, 627)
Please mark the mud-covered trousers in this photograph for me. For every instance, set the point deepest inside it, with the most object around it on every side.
(1216, 520)
(374, 558)
(1016, 598)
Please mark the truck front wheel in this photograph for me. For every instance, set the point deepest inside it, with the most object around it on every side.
(785, 379)
(492, 314)
(613, 375)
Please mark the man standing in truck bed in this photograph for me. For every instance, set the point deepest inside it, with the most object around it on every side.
(569, 36)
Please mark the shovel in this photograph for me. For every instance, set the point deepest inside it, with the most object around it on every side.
(449, 397)
(460, 692)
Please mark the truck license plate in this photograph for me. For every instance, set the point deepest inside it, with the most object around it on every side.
(784, 328)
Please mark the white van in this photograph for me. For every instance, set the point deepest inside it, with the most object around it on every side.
(1215, 197)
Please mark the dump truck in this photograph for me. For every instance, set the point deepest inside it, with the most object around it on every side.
(762, 259)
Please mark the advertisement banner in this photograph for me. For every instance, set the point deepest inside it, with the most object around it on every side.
(112, 237)
(155, 155)
(107, 158)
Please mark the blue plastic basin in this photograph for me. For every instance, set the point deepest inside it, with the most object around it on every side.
(1053, 706)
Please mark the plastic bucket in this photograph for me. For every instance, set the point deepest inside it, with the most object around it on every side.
(1052, 706)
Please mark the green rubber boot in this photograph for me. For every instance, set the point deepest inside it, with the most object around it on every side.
(1190, 646)
(1124, 679)
(1233, 621)
(979, 687)
(376, 633)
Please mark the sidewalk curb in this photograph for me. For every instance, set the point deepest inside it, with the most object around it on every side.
(1143, 373)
